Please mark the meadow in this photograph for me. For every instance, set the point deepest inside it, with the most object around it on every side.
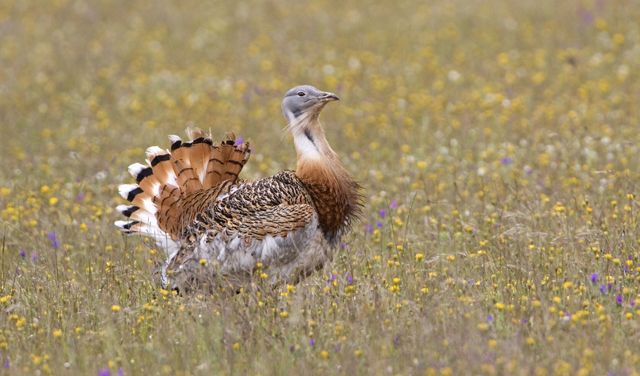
(497, 142)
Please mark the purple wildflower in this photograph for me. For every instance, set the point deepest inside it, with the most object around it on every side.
(528, 170)
(619, 299)
(585, 16)
(22, 253)
(594, 277)
(603, 289)
(368, 228)
(6, 363)
(332, 278)
(632, 302)
(312, 342)
(506, 161)
(394, 204)
(383, 213)
(80, 197)
(34, 256)
(120, 371)
(490, 318)
(349, 279)
(104, 372)
(239, 141)
(379, 224)
(53, 238)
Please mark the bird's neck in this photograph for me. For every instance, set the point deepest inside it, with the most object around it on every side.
(333, 190)
(311, 143)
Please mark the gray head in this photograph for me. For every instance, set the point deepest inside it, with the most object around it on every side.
(303, 100)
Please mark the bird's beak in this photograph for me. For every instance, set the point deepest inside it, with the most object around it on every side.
(327, 97)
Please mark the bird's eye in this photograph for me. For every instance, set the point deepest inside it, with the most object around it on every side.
(301, 94)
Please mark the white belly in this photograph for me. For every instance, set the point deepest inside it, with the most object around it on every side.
(230, 260)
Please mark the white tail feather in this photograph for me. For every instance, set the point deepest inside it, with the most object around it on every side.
(121, 224)
(152, 151)
(124, 189)
(138, 214)
(162, 239)
(122, 208)
(135, 169)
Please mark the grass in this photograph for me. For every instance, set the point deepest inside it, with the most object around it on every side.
(497, 142)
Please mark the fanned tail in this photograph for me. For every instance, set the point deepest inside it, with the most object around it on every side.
(176, 184)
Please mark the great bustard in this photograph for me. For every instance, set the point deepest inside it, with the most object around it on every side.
(217, 230)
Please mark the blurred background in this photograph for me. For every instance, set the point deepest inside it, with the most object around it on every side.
(82, 79)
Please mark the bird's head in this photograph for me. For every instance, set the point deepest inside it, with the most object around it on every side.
(305, 100)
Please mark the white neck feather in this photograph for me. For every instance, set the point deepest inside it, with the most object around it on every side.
(305, 148)
(306, 139)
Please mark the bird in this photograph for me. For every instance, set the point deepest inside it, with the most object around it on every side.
(219, 232)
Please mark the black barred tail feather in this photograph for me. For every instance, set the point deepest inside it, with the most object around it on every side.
(176, 184)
